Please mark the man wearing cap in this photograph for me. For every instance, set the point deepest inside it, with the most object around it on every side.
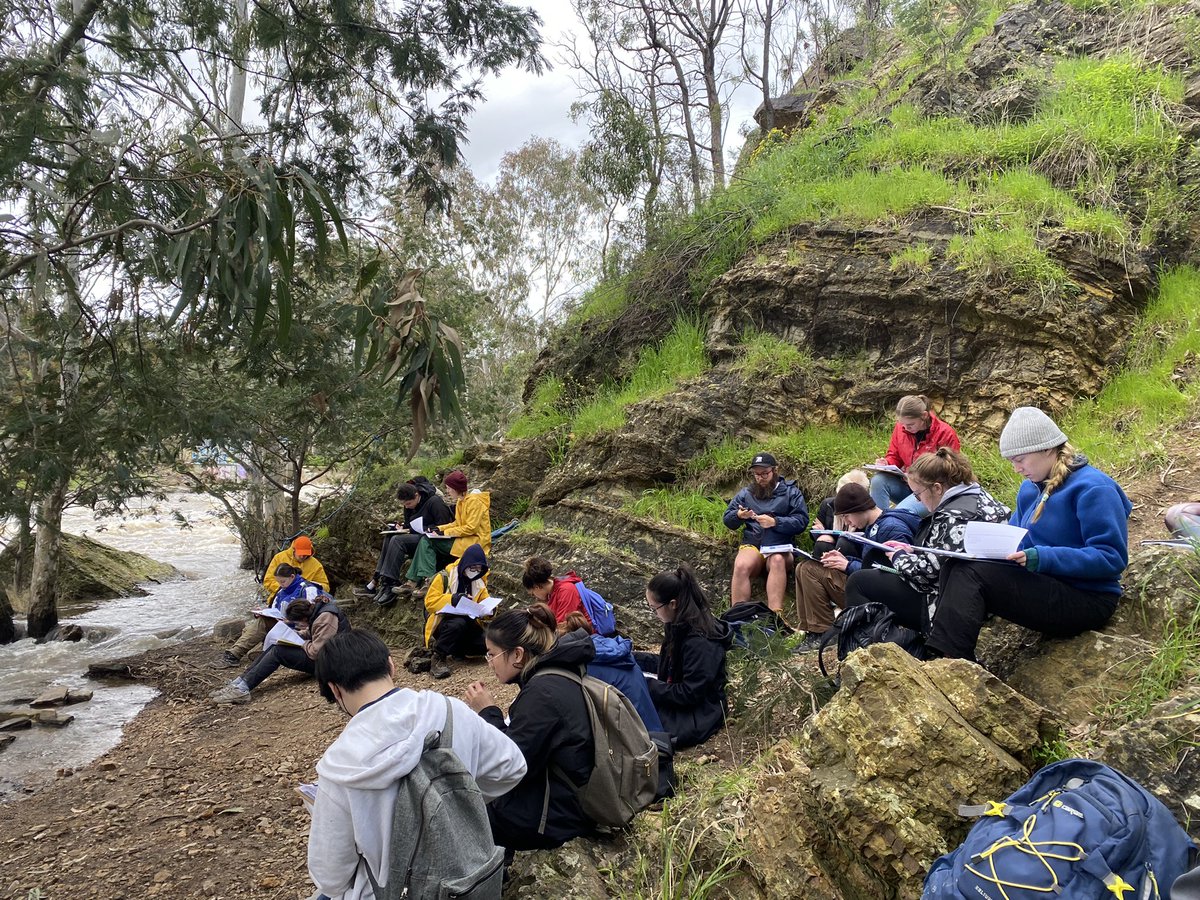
(770, 512)
(821, 585)
(299, 556)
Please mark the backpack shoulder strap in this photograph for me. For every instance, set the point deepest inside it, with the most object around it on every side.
(446, 737)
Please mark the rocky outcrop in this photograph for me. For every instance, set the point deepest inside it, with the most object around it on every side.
(881, 769)
(90, 571)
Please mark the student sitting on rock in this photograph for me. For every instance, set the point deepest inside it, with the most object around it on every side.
(1067, 577)
(420, 501)
(291, 586)
(382, 743)
(688, 689)
(615, 664)
(770, 512)
(316, 623)
(558, 592)
(821, 586)
(449, 635)
(945, 483)
(827, 520)
(299, 555)
(918, 431)
(472, 524)
(549, 721)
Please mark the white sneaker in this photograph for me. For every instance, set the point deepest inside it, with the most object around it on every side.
(228, 695)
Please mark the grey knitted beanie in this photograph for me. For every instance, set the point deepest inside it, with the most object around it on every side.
(1028, 430)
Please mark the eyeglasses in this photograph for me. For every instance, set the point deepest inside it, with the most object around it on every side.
(657, 606)
(489, 656)
(924, 490)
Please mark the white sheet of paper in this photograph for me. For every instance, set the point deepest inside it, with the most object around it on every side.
(992, 540)
(417, 525)
(471, 609)
(282, 633)
(776, 548)
(888, 469)
(270, 612)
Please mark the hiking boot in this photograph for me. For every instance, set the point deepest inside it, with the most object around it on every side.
(228, 695)
(367, 590)
(385, 596)
(226, 660)
(810, 644)
(439, 666)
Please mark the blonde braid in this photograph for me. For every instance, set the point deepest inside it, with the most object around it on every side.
(1058, 474)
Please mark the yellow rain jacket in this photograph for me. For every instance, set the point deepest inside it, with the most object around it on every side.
(472, 524)
(311, 571)
(441, 591)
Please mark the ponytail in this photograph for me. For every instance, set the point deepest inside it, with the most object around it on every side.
(1058, 474)
(691, 606)
(944, 466)
(914, 406)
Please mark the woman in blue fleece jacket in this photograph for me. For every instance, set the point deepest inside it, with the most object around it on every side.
(1067, 577)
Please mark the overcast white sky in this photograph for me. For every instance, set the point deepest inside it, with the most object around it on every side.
(518, 105)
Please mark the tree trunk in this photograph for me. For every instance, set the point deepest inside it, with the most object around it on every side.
(8, 630)
(43, 585)
(716, 123)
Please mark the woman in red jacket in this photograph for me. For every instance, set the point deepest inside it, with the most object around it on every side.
(917, 431)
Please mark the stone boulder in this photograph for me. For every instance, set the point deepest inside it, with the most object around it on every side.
(799, 108)
(887, 761)
(1160, 588)
(512, 470)
(91, 571)
(1158, 750)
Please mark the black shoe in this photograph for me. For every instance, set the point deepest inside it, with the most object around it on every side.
(385, 597)
(367, 590)
(810, 644)
(439, 667)
(225, 661)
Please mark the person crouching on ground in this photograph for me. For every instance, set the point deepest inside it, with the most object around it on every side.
(614, 664)
(382, 743)
(559, 593)
(689, 688)
(821, 585)
(449, 635)
(292, 586)
(316, 623)
(548, 720)
(771, 511)
(1067, 577)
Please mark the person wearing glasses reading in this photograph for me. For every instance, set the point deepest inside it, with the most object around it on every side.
(945, 484)
(549, 721)
(688, 687)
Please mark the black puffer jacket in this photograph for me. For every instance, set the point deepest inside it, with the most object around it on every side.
(689, 692)
(549, 721)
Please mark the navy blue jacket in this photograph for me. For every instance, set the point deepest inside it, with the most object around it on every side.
(786, 505)
(892, 525)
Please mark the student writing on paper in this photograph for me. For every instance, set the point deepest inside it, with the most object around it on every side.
(442, 544)
(549, 721)
(918, 431)
(945, 483)
(821, 585)
(1068, 574)
(449, 636)
(315, 622)
(689, 690)
(290, 585)
(827, 519)
(558, 592)
(770, 510)
(421, 504)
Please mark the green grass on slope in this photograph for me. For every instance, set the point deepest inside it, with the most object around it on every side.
(680, 356)
(1122, 428)
(543, 413)
(689, 509)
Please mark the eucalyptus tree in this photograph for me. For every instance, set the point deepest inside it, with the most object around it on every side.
(134, 182)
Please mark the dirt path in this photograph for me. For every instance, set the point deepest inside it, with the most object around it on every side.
(196, 801)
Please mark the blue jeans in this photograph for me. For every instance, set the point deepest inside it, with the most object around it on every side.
(887, 489)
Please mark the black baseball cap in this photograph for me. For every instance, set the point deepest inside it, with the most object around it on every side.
(763, 459)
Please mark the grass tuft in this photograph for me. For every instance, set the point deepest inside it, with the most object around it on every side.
(543, 413)
(688, 509)
(762, 355)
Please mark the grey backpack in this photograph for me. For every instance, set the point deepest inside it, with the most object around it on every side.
(624, 777)
(442, 843)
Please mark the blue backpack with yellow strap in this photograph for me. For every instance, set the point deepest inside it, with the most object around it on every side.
(1077, 830)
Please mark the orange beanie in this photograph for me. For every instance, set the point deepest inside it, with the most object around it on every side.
(302, 546)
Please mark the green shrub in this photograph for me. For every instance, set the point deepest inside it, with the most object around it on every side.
(911, 261)
(1008, 255)
(603, 303)
(680, 356)
(543, 414)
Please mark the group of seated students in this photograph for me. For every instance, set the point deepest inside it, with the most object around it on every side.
(1063, 580)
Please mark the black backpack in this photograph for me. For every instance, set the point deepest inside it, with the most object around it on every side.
(863, 625)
